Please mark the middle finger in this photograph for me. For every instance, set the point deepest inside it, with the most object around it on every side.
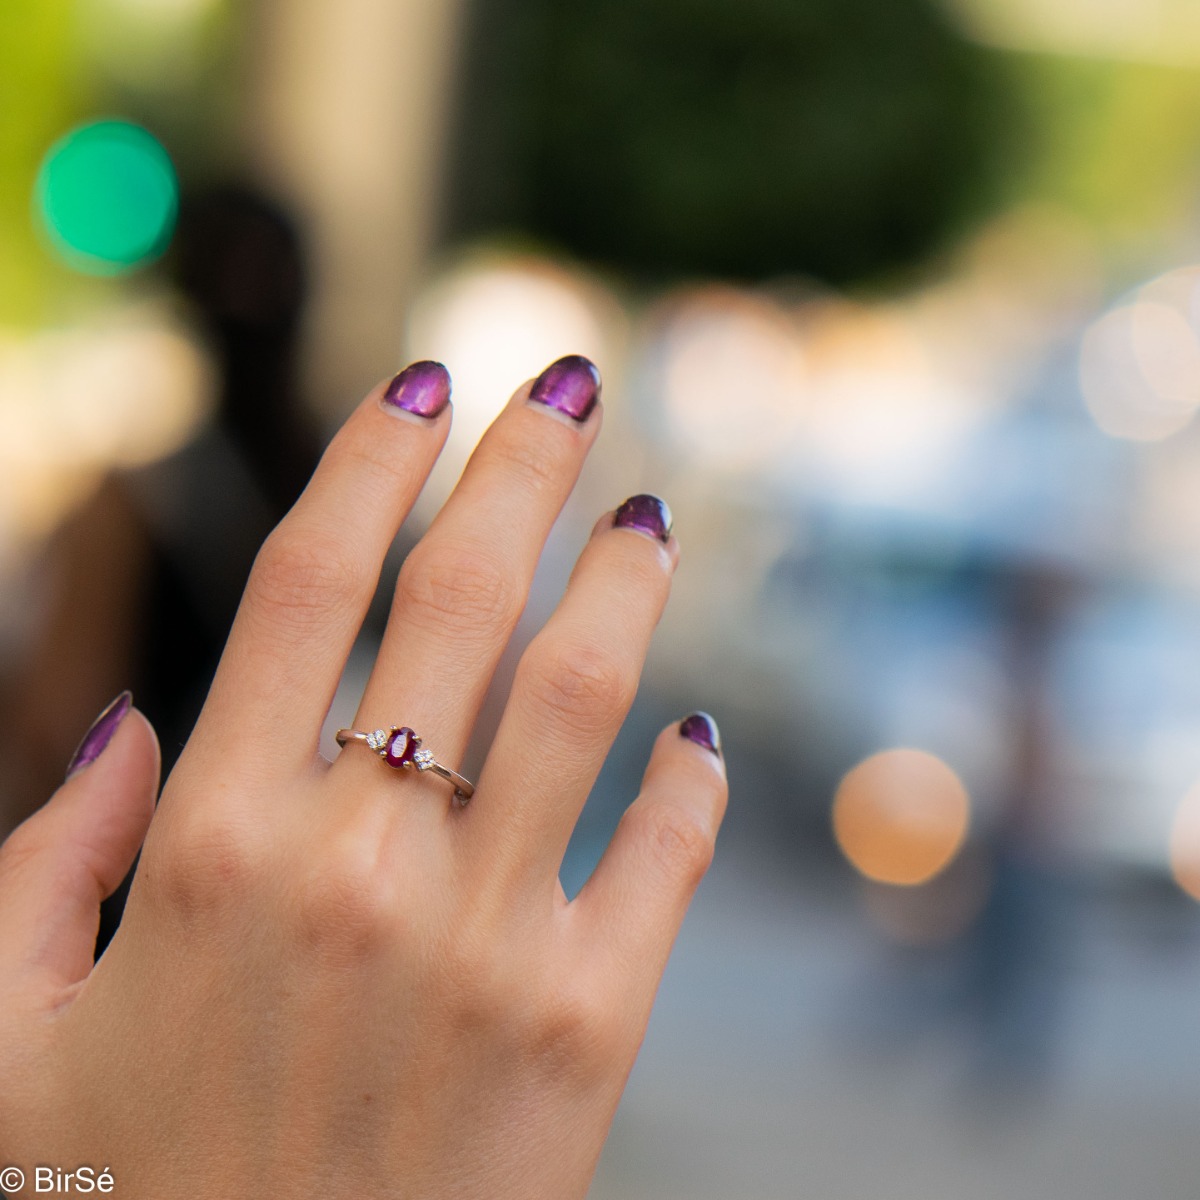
(463, 587)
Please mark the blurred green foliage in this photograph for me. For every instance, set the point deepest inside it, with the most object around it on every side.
(837, 138)
(40, 95)
(843, 139)
(1116, 143)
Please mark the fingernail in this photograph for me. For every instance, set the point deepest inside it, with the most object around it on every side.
(701, 729)
(571, 385)
(646, 514)
(423, 388)
(100, 734)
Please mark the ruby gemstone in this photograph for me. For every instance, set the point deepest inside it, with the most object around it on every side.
(401, 746)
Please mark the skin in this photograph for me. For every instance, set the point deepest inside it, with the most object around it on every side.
(330, 980)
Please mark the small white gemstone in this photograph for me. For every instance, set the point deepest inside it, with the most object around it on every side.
(422, 760)
(377, 739)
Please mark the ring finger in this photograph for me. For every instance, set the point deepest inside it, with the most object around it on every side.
(463, 587)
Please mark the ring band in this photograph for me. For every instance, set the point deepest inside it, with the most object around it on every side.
(401, 747)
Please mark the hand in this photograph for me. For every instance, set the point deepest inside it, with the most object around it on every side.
(330, 980)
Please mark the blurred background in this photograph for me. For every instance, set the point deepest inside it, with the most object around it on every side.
(897, 303)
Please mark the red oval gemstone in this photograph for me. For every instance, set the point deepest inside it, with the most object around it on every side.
(401, 746)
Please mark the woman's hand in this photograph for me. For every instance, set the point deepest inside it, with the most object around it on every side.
(330, 980)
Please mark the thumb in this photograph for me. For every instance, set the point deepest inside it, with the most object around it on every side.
(57, 866)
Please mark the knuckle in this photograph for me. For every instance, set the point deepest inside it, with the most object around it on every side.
(677, 839)
(531, 460)
(572, 1025)
(361, 454)
(474, 981)
(458, 586)
(22, 846)
(209, 859)
(579, 686)
(491, 993)
(344, 912)
(301, 579)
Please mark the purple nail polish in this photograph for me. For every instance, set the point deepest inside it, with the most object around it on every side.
(571, 385)
(100, 734)
(423, 388)
(701, 729)
(647, 514)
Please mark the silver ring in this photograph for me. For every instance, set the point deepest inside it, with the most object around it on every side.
(401, 747)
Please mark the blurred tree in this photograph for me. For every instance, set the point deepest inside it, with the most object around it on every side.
(40, 93)
(837, 138)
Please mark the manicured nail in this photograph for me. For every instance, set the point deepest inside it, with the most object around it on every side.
(100, 734)
(571, 385)
(423, 388)
(701, 729)
(646, 514)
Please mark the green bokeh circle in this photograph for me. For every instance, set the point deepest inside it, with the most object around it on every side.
(108, 196)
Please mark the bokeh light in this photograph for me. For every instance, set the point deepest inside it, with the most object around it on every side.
(1162, 31)
(77, 403)
(107, 195)
(733, 376)
(900, 816)
(166, 11)
(1185, 843)
(881, 418)
(1139, 366)
(151, 46)
(496, 322)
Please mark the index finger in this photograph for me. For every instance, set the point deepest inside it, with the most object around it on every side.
(314, 577)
